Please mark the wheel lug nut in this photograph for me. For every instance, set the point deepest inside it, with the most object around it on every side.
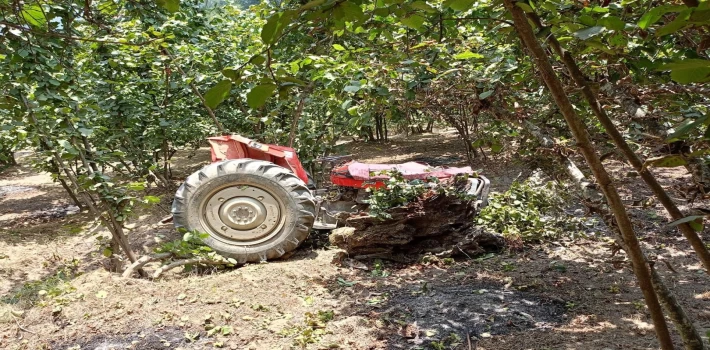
(224, 228)
(260, 198)
(263, 226)
(221, 199)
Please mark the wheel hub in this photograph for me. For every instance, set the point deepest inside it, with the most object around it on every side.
(243, 213)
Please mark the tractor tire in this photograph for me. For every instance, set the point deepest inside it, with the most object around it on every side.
(253, 210)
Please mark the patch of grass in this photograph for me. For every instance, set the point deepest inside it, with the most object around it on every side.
(34, 292)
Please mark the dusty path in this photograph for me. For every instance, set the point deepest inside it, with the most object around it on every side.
(567, 295)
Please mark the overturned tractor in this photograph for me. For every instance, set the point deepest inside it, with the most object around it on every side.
(257, 202)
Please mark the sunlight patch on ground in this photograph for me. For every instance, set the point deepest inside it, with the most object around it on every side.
(587, 324)
(639, 324)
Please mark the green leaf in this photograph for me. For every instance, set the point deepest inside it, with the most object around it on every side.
(670, 161)
(107, 252)
(695, 221)
(524, 6)
(293, 80)
(599, 46)
(587, 33)
(136, 186)
(275, 25)
(268, 31)
(459, 5)
(485, 94)
(467, 55)
(171, 5)
(338, 47)
(233, 74)
(422, 5)
(348, 11)
(587, 20)
(413, 21)
(688, 71)
(86, 132)
(311, 4)
(257, 60)
(679, 22)
(151, 199)
(656, 13)
(496, 147)
(686, 127)
(613, 23)
(700, 16)
(598, 9)
(218, 93)
(352, 88)
(33, 15)
(258, 95)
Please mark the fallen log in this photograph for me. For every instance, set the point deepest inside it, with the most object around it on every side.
(442, 225)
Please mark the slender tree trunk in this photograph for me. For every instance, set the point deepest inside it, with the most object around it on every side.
(690, 335)
(111, 224)
(579, 78)
(683, 324)
(296, 118)
(581, 135)
(202, 99)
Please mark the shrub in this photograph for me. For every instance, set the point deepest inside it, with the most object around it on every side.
(528, 211)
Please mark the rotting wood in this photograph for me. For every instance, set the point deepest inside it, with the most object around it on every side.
(439, 225)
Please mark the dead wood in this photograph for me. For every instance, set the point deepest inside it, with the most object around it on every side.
(440, 225)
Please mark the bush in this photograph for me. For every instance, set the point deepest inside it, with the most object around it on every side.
(528, 211)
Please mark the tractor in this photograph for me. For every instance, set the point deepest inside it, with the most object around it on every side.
(256, 201)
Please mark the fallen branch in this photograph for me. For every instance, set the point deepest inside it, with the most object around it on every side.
(142, 261)
(190, 261)
(20, 329)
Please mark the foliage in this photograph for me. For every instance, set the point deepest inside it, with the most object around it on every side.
(52, 290)
(191, 246)
(397, 192)
(529, 211)
(109, 90)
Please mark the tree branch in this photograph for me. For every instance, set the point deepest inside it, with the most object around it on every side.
(477, 18)
(69, 37)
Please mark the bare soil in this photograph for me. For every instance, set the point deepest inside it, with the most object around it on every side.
(569, 294)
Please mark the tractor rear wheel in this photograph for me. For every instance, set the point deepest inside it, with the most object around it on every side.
(253, 210)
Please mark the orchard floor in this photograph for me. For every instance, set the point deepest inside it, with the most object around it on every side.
(569, 294)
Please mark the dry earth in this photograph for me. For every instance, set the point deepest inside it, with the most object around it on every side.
(570, 294)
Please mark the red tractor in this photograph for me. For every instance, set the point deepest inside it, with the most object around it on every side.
(257, 202)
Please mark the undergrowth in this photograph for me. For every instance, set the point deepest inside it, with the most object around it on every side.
(399, 191)
(530, 212)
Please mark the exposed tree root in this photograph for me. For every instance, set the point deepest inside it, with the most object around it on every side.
(142, 261)
(138, 264)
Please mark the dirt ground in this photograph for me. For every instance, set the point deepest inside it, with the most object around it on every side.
(570, 294)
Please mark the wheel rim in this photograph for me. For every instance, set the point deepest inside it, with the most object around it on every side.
(242, 214)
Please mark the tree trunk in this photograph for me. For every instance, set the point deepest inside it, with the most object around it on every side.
(440, 225)
(579, 78)
(581, 135)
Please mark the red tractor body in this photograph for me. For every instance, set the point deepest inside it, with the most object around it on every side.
(351, 174)
(239, 147)
(256, 202)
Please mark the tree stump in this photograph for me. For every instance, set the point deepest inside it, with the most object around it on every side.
(442, 225)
